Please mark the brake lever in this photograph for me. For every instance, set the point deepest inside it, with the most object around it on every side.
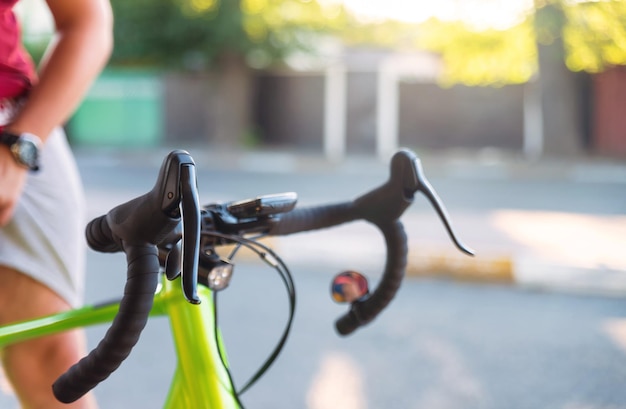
(190, 208)
(414, 180)
(179, 193)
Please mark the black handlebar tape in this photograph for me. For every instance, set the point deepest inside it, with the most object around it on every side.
(141, 284)
(134, 227)
(363, 312)
(314, 218)
(99, 236)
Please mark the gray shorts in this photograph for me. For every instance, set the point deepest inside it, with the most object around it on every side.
(45, 238)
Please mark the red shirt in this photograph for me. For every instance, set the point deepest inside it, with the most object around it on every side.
(17, 71)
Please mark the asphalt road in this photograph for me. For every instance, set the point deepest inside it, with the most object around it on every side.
(440, 344)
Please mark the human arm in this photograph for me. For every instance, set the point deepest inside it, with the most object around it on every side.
(79, 50)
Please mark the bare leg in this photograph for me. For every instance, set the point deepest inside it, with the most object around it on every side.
(32, 366)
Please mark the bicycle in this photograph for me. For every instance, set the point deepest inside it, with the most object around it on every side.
(171, 243)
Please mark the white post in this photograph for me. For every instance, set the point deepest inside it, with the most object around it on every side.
(387, 112)
(335, 112)
(533, 121)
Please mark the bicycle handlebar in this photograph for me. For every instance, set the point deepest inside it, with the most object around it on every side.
(136, 227)
(365, 310)
(383, 207)
(140, 225)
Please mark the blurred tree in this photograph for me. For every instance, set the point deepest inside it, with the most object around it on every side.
(225, 37)
(194, 34)
(481, 57)
(574, 36)
(594, 34)
(560, 89)
(557, 39)
(472, 56)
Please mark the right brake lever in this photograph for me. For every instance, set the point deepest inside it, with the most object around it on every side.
(179, 194)
(190, 209)
(415, 181)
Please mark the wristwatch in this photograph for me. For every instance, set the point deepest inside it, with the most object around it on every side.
(24, 147)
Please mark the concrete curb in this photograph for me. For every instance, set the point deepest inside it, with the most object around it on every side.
(511, 269)
(488, 267)
(494, 267)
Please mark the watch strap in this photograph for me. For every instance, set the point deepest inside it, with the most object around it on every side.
(8, 138)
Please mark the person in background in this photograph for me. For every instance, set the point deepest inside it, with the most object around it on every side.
(41, 198)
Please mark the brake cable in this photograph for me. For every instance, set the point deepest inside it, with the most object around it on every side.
(273, 260)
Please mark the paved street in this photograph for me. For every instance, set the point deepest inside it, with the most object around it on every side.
(440, 345)
(460, 343)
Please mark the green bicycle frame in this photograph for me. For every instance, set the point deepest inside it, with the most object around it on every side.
(200, 379)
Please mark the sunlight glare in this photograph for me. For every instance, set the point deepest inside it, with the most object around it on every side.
(497, 14)
(338, 384)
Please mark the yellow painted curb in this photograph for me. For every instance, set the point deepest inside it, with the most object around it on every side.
(427, 262)
(446, 264)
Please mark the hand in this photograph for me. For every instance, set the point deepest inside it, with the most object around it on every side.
(12, 180)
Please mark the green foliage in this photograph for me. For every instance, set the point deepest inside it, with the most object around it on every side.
(275, 28)
(549, 20)
(595, 35)
(194, 33)
(386, 33)
(486, 57)
(469, 56)
(593, 32)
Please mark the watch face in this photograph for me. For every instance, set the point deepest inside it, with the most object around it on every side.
(24, 148)
(28, 153)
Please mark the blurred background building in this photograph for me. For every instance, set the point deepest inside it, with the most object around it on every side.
(533, 78)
